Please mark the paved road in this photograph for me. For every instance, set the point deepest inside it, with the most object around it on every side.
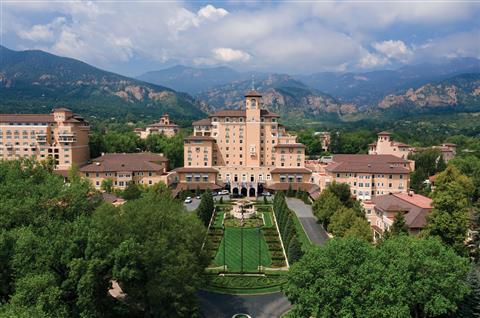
(196, 202)
(215, 305)
(315, 231)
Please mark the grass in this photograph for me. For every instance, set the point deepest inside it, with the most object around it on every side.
(246, 285)
(233, 257)
(267, 216)
(217, 222)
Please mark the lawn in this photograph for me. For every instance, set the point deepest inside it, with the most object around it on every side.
(250, 250)
(267, 217)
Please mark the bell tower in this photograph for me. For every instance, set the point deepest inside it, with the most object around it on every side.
(253, 102)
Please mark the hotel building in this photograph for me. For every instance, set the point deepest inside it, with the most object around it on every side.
(244, 151)
(367, 175)
(122, 168)
(163, 127)
(381, 211)
(60, 135)
(386, 146)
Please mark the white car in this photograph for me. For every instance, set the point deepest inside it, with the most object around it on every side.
(266, 194)
(188, 200)
(223, 192)
(198, 197)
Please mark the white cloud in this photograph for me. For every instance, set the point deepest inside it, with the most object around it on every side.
(370, 60)
(393, 49)
(209, 12)
(42, 32)
(225, 54)
(282, 37)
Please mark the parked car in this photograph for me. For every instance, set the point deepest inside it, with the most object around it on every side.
(266, 194)
(214, 194)
(223, 192)
(188, 200)
(198, 197)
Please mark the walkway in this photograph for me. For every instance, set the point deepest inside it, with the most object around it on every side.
(215, 305)
(315, 231)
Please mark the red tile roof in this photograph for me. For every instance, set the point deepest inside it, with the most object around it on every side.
(416, 206)
(253, 93)
(291, 170)
(202, 122)
(127, 162)
(368, 164)
(196, 169)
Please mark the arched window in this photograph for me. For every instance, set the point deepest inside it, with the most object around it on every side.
(253, 102)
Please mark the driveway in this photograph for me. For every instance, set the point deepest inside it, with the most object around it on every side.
(196, 202)
(315, 231)
(215, 305)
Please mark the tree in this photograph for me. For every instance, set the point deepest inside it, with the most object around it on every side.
(361, 229)
(325, 206)
(419, 278)
(206, 207)
(132, 191)
(449, 219)
(107, 185)
(341, 221)
(398, 226)
(470, 305)
(294, 251)
(289, 191)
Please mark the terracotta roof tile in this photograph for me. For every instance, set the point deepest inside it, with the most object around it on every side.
(128, 162)
(291, 170)
(202, 122)
(296, 145)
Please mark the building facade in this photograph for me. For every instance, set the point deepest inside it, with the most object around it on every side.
(163, 127)
(123, 168)
(385, 145)
(367, 175)
(381, 211)
(60, 135)
(244, 151)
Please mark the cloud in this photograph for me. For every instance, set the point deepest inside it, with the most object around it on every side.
(370, 60)
(393, 49)
(225, 54)
(42, 32)
(209, 12)
(292, 37)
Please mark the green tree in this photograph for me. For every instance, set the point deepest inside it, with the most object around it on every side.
(290, 191)
(294, 251)
(132, 191)
(325, 206)
(107, 185)
(403, 277)
(449, 219)
(206, 207)
(398, 226)
(341, 221)
(361, 229)
(470, 305)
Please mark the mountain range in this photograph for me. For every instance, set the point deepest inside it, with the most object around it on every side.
(36, 81)
(326, 94)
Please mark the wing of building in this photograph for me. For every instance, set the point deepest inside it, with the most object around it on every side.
(367, 175)
(381, 211)
(163, 127)
(60, 135)
(245, 151)
(122, 168)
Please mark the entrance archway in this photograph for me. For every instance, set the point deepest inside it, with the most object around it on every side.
(244, 192)
(260, 189)
(251, 192)
(227, 187)
(235, 191)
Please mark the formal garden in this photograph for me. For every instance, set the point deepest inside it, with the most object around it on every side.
(247, 252)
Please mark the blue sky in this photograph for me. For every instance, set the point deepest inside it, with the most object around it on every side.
(131, 37)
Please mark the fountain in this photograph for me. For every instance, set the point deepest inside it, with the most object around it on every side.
(243, 209)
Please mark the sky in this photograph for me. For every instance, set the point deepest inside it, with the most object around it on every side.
(301, 37)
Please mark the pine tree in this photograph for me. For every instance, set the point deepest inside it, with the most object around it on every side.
(470, 306)
(399, 227)
(290, 191)
(265, 201)
(294, 251)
